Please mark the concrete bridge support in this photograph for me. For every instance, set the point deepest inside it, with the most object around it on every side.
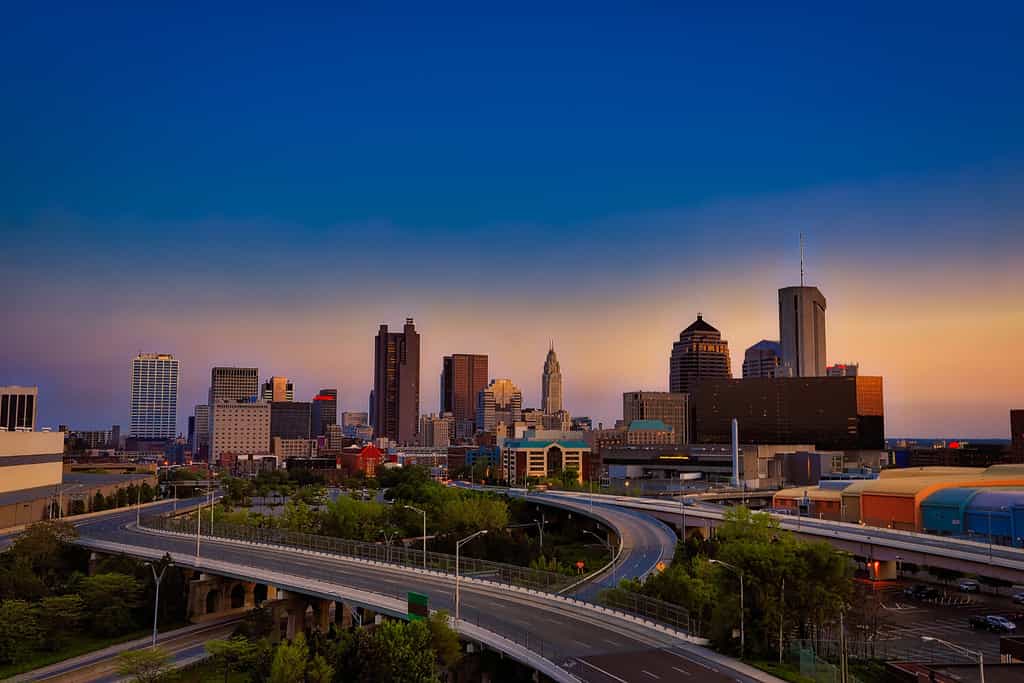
(213, 596)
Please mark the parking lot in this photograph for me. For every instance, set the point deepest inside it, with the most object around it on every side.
(902, 621)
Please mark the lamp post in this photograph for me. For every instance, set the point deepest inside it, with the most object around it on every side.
(387, 542)
(611, 551)
(962, 650)
(738, 572)
(199, 524)
(424, 513)
(458, 545)
(540, 526)
(156, 602)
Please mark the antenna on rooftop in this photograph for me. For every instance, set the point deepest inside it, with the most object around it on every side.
(801, 259)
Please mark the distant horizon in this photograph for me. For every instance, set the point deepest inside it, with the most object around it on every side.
(265, 188)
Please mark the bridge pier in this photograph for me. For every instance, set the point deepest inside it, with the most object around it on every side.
(343, 615)
(882, 570)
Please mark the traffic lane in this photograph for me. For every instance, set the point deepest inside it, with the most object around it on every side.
(650, 665)
(515, 614)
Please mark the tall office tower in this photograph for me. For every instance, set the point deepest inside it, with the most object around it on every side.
(324, 412)
(842, 370)
(802, 331)
(18, 407)
(190, 439)
(278, 389)
(500, 401)
(154, 409)
(463, 377)
(239, 428)
(763, 359)
(1017, 435)
(201, 444)
(290, 419)
(396, 383)
(233, 384)
(551, 384)
(700, 353)
(672, 409)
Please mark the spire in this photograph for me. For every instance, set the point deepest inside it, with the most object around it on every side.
(801, 259)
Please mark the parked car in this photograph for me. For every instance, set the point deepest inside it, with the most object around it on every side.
(1001, 624)
(920, 592)
(1018, 598)
(978, 622)
(968, 586)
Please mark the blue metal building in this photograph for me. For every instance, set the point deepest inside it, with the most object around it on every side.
(996, 513)
(943, 512)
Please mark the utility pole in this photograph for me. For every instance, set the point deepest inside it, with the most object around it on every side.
(782, 608)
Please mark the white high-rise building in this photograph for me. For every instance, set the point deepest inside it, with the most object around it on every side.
(551, 384)
(802, 331)
(154, 409)
(500, 401)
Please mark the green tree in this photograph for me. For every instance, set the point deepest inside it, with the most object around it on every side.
(109, 601)
(233, 653)
(444, 640)
(399, 652)
(289, 665)
(298, 516)
(319, 670)
(45, 547)
(569, 479)
(58, 617)
(19, 631)
(143, 666)
(99, 502)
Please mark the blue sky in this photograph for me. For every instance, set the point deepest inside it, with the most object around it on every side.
(333, 167)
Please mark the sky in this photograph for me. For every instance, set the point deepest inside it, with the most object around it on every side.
(260, 185)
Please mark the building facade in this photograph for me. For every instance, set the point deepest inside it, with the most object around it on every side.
(18, 408)
(154, 407)
(396, 383)
(842, 370)
(551, 384)
(240, 429)
(1017, 435)
(763, 359)
(277, 389)
(233, 384)
(672, 409)
(523, 459)
(832, 413)
(354, 419)
(437, 431)
(292, 448)
(501, 401)
(323, 412)
(650, 433)
(290, 419)
(201, 443)
(463, 377)
(802, 331)
(30, 460)
(700, 353)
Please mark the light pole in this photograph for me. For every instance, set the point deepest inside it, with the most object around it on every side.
(458, 545)
(387, 541)
(156, 603)
(607, 544)
(738, 572)
(424, 513)
(540, 525)
(962, 650)
(199, 524)
(138, 504)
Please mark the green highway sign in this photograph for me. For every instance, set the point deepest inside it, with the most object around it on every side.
(418, 608)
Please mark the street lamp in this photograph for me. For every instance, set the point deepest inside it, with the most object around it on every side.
(540, 526)
(424, 513)
(611, 551)
(458, 545)
(738, 572)
(962, 650)
(156, 602)
(387, 541)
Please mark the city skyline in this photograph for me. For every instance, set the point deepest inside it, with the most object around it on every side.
(600, 188)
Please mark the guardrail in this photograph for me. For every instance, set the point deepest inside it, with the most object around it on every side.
(647, 607)
(497, 572)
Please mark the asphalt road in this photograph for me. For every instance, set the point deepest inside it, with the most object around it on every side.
(565, 633)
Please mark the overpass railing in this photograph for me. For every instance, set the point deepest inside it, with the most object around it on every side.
(648, 608)
(498, 572)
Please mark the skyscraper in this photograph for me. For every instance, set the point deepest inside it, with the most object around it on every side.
(233, 384)
(670, 408)
(201, 443)
(396, 383)
(463, 377)
(278, 389)
(18, 406)
(700, 353)
(1017, 435)
(551, 384)
(802, 331)
(290, 419)
(154, 408)
(324, 412)
(239, 428)
(763, 359)
(499, 401)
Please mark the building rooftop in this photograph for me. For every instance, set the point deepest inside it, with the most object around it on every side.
(648, 426)
(540, 443)
(699, 325)
(813, 493)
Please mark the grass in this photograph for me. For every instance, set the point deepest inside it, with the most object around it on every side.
(786, 672)
(77, 645)
(206, 671)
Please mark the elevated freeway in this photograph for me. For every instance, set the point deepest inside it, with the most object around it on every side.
(565, 638)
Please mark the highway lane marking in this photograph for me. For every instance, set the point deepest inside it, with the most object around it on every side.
(645, 671)
(682, 671)
(599, 669)
(580, 642)
(610, 642)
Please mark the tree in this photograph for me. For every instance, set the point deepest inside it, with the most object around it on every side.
(109, 600)
(99, 502)
(398, 652)
(143, 666)
(45, 546)
(18, 630)
(568, 478)
(233, 653)
(289, 665)
(59, 616)
(319, 670)
(444, 640)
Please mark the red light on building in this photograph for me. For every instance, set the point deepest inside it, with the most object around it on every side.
(323, 397)
(954, 444)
